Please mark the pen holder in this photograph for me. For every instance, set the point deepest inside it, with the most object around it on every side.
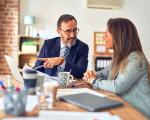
(15, 103)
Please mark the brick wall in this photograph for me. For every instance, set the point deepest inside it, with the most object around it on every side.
(9, 13)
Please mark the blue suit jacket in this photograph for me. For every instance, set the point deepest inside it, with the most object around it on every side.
(76, 61)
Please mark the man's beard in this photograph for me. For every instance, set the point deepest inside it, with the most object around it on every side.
(71, 41)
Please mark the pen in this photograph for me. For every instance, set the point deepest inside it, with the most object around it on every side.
(38, 67)
(2, 85)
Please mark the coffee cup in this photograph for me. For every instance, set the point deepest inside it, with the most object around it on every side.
(30, 79)
(64, 79)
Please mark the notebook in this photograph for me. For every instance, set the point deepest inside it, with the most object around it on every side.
(91, 102)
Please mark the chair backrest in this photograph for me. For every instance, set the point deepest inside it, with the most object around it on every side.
(101, 62)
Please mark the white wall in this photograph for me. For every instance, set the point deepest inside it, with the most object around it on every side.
(89, 20)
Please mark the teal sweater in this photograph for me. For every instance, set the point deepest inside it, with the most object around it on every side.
(132, 84)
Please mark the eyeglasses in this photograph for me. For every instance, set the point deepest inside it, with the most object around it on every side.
(68, 32)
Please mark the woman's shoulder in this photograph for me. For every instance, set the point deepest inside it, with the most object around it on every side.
(136, 55)
(137, 58)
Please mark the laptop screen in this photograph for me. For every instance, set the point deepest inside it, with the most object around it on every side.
(14, 69)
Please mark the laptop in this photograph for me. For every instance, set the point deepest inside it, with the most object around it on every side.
(91, 102)
(17, 75)
(14, 69)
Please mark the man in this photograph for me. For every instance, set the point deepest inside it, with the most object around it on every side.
(55, 58)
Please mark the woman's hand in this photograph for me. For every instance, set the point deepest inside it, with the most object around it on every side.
(52, 62)
(89, 75)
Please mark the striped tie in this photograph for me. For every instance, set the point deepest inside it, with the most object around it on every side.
(64, 52)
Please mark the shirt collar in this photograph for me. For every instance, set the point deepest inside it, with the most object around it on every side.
(62, 44)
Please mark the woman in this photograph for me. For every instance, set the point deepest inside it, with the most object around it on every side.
(128, 75)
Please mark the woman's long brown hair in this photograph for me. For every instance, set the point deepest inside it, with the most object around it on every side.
(125, 41)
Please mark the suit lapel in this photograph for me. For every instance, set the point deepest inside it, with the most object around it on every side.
(72, 51)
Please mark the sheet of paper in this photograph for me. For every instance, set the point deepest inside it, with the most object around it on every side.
(46, 76)
(32, 101)
(65, 118)
(56, 118)
(1, 103)
(66, 115)
(71, 91)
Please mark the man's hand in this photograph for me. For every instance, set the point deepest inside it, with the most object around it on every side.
(51, 62)
(89, 75)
